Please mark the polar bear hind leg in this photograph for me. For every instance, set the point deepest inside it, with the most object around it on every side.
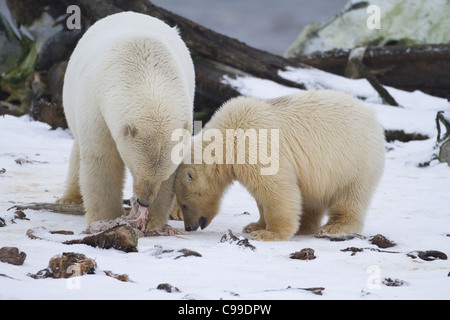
(311, 219)
(72, 192)
(347, 210)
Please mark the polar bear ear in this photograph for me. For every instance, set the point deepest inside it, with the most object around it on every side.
(189, 175)
(130, 130)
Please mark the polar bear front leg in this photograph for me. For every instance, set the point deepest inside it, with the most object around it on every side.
(101, 182)
(159, 210)
(72, 193)
(281, 205)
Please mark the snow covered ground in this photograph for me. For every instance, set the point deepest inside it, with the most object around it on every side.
(411, 207)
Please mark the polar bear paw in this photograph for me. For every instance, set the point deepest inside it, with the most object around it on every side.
(71, 200)
(251, 227)
(266, 235)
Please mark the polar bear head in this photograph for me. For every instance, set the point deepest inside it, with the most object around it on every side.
(198, 192)
(146, 151)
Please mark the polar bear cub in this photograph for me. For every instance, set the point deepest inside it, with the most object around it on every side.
(129, 83)
(330, 150)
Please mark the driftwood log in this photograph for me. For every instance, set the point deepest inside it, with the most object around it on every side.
(76, 209)
(413, 67)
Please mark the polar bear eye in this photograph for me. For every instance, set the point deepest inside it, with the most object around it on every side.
(130, 130)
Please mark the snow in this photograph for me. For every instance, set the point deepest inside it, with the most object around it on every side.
(411, 207)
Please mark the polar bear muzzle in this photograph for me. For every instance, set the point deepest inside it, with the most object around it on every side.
(202, 223)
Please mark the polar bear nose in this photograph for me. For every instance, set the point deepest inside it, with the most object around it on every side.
(191, 228)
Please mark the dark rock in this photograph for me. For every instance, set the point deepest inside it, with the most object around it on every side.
(48, 112)
(167, 287)
(429, 255)
(12, 255)
(304, 254)
(381, 241)
(19, 214)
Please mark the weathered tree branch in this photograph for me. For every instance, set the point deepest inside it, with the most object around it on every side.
(415, 67)
(74, 209)
(357, 69)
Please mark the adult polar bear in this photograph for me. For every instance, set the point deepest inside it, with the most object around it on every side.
(129, 83)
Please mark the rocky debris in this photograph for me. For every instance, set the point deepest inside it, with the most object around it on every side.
(167, 287)
(429, 255)
(21, 161)
(66, 265)
(401, 135)
(381, 241)
(393, 282)
(161, 252)
(353, 250)
(121, 277)
(240, 242)
(345, 237)
(304, 254)
(12, 255)
(121, 237)
(18, 215)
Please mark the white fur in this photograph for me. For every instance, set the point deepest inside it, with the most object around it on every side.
(129, 83)
(331, 157)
